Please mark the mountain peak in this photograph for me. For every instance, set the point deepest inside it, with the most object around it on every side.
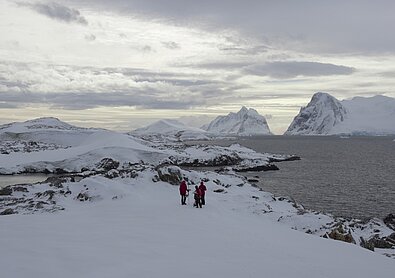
(325, 115)
(320, 115)
(243, 123)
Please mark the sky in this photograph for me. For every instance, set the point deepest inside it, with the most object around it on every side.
(123, 64)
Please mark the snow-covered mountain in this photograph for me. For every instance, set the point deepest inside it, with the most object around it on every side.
(243, 123)
(325, 115)
(171, 128)
(48, 130)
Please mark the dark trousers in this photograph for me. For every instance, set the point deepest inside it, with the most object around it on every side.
(198, 203)
(203, 201)
(183, 199)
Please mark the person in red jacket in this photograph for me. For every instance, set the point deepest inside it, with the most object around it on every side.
(183, 192)
(197, 194)
(203, 189)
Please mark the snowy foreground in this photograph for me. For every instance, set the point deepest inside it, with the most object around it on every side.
(136, 228)
(115, 212)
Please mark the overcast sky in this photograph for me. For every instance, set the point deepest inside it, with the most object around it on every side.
(121, 64)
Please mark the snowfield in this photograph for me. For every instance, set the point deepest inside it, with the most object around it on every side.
(145, 232)
(115, 212)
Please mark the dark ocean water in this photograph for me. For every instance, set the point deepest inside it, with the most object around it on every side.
(350, 177)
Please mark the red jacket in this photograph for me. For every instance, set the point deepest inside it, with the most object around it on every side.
(202, 188)
(197, 194)
(183, 188)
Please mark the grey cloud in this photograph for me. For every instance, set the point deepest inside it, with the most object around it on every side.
(335, 26)
(243, 50)
(57, 11)
(82, 101)
(220, 65)
(292, 69)
(90, 37)
(171, 45)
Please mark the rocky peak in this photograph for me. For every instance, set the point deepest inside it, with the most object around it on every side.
(319, 117)
(244, 122)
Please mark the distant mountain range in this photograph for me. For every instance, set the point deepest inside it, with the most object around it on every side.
(325, 115)
(246, 122)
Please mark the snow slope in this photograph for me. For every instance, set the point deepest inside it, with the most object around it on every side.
(144, 232)
(325, 115)
(173, 129)
(243, 123)
(76, 148)
(48, 130)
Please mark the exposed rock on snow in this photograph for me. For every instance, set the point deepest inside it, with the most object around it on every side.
(325, 115)
(246, 122)
(389, 220)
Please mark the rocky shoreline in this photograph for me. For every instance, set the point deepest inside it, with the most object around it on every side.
(48, 196)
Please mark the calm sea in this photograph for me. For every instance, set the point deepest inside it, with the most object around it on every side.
(351, 177)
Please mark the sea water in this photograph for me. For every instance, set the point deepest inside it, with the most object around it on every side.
(345, 176)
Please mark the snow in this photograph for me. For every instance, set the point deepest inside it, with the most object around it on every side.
(172, 129)
(145, 232)
(246, 122)
(128, 222)
(325, 115)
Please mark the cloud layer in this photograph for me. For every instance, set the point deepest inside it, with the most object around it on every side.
(57, 11)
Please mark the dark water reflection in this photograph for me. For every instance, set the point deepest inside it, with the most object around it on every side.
(353, 177)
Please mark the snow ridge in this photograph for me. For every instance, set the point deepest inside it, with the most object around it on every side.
(171, 128)
(246, 122)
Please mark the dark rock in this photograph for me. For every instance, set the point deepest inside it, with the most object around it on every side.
(40, 205)
(5, 191)
(107, 164)
(19, 189)
(289, 158)
(170, 175)
(389, 220)
(380, 242)
(83, 196)
(253, 180)
(8, 212)
(112, 174)
(339, 234)
(60, 171)
(49, 193)
(55, 181)
(366, 244)
(219, 161)
(220, 190)
(267, 167)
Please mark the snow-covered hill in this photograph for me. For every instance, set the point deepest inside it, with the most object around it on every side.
(171, 128)
(325, 115)
(50, 145)
(47, 130)
(118, 214)
(246, 122)
(135, 227)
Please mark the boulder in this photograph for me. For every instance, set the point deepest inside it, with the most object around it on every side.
(378, 242)
(340, 234)
(5, 191)
(170, 174)
(389, 220)
(107, 164)
(8, 212)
